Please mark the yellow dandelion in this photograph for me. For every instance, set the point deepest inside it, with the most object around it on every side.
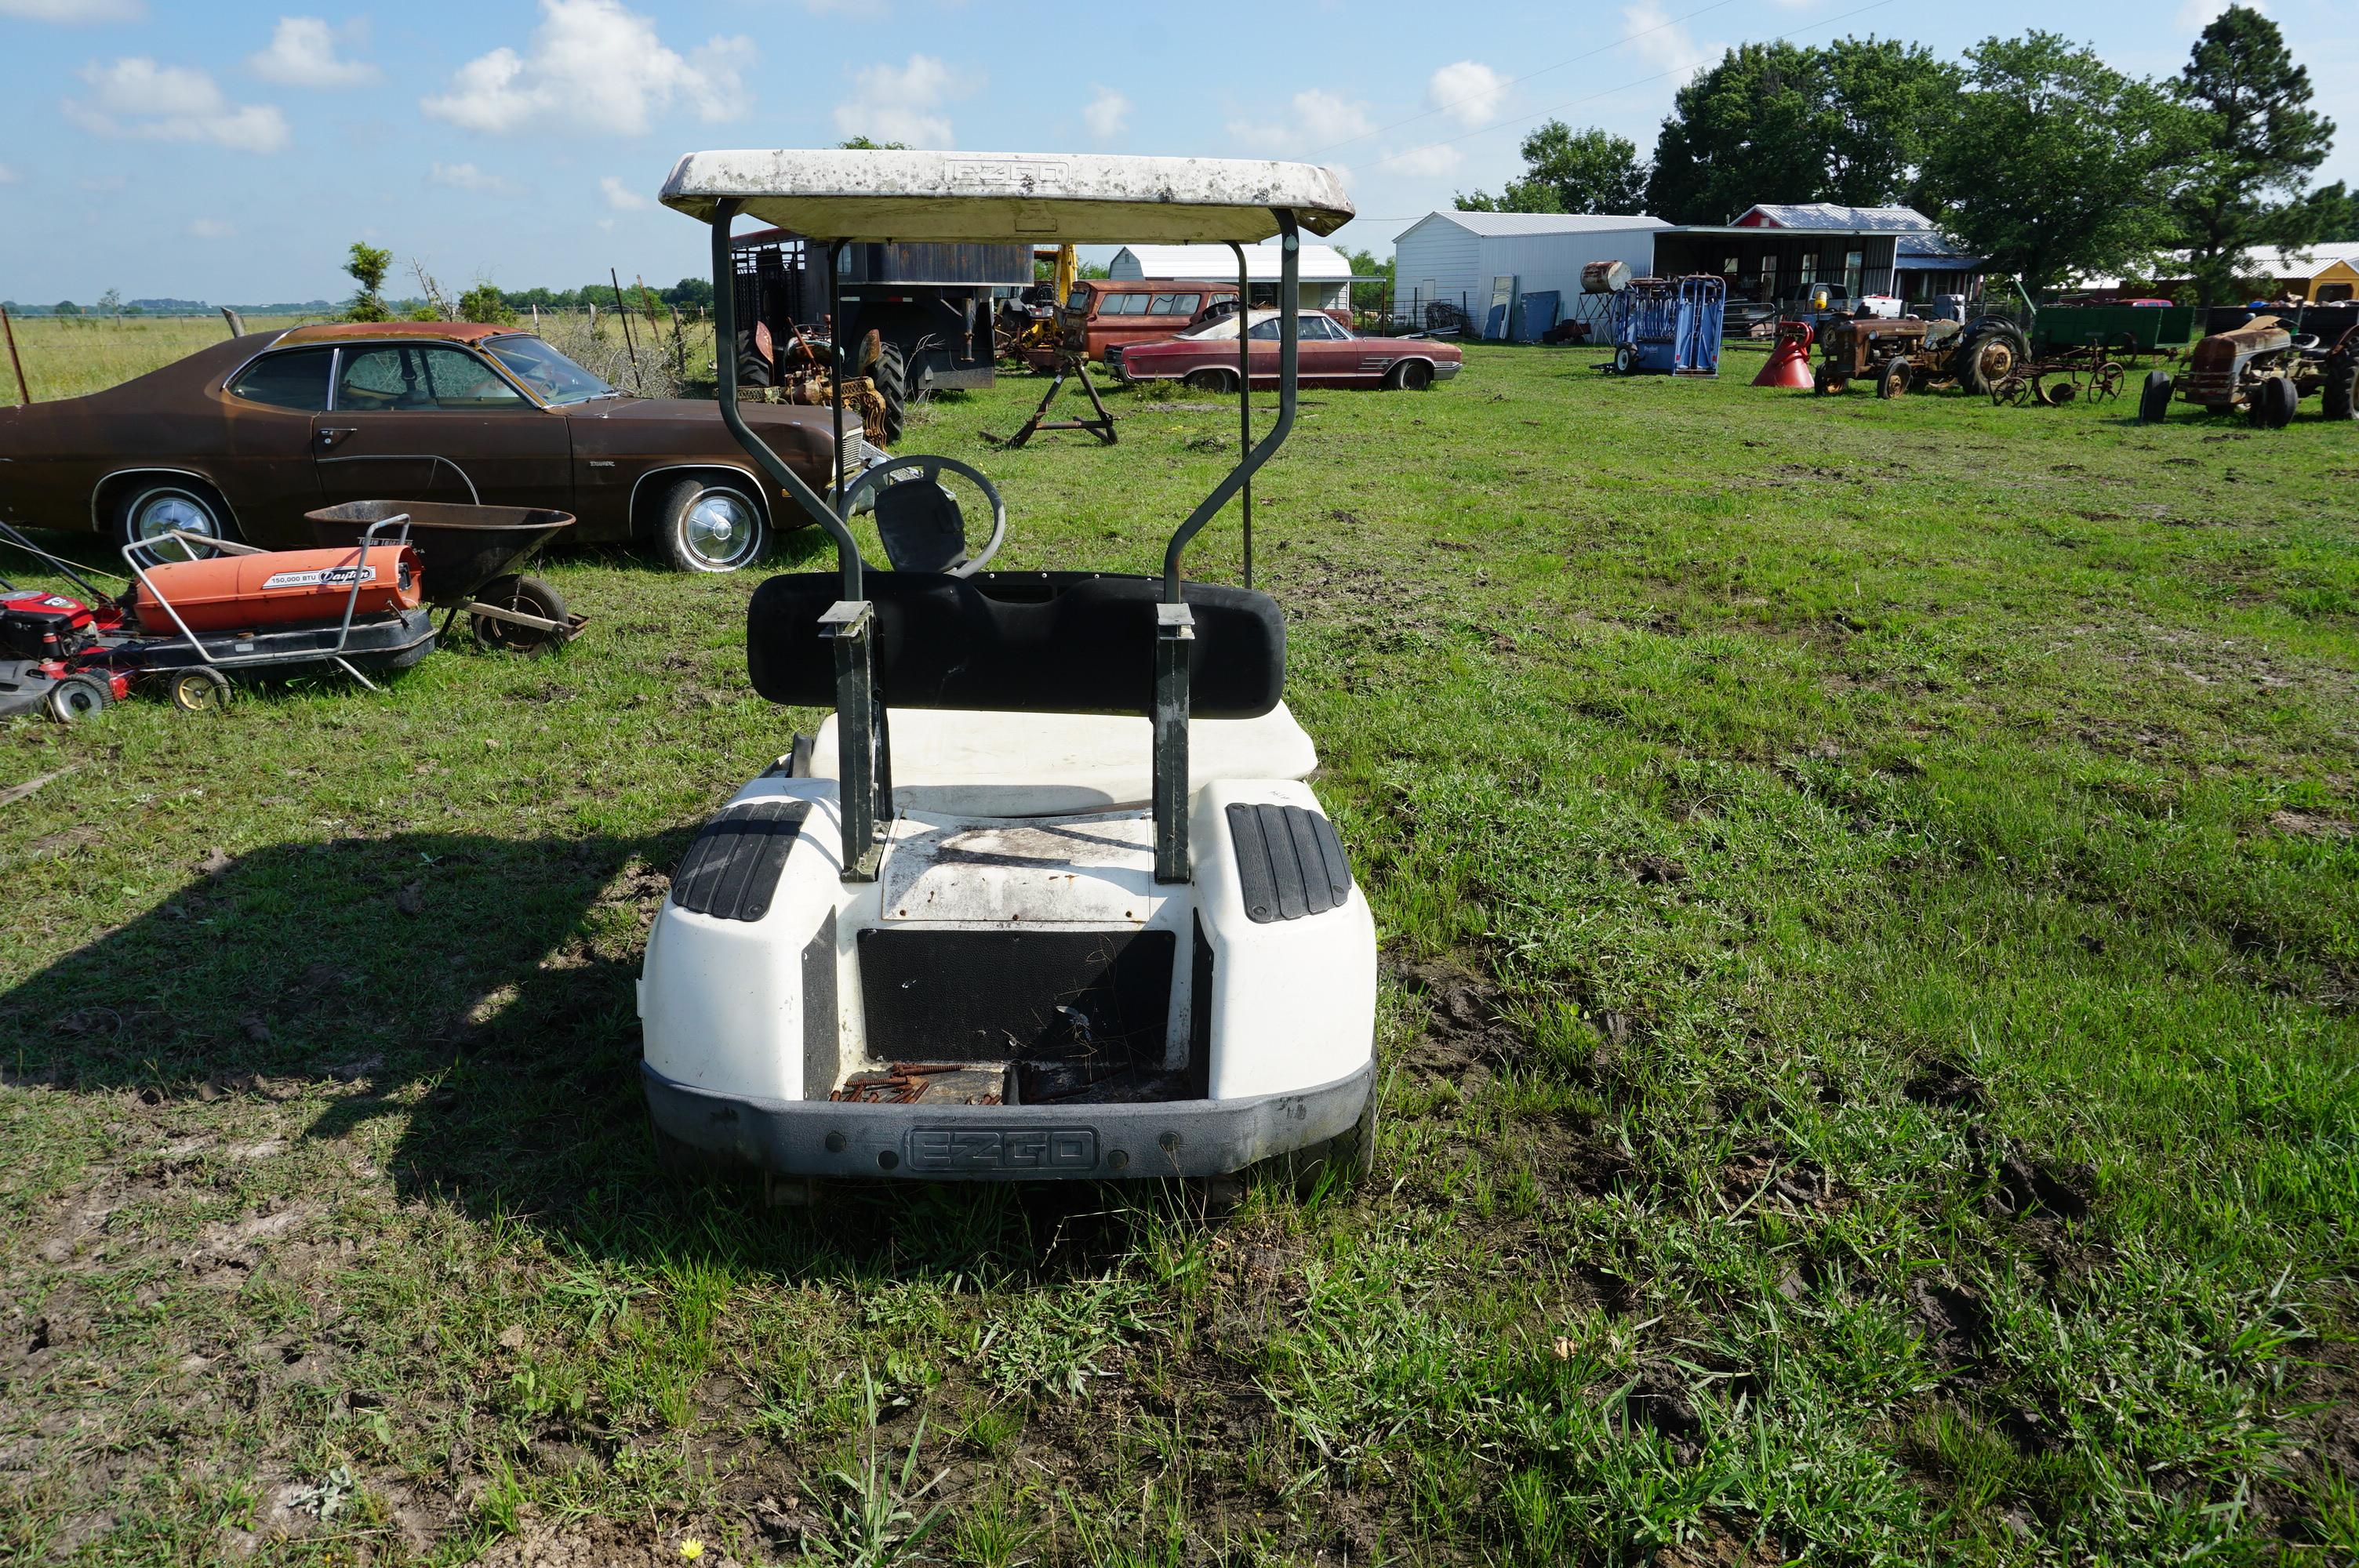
(691, 1549)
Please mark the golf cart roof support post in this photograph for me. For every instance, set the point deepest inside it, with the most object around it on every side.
(1244, 397)
(1175, 628)
(859, 713)
(835, 353)
(724, 347)
(1289, 337)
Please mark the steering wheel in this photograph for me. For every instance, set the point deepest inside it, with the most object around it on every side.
(931, 534)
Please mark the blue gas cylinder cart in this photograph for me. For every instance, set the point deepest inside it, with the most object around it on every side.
(1668, 326)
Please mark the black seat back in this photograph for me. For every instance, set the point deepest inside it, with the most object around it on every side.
(922, 525)
(1048, 641)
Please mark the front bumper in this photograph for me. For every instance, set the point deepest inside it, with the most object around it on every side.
(1003, 1143)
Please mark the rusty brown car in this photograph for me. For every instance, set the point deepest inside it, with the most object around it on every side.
(239, 441)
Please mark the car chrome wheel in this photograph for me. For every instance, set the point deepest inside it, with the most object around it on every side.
(155, 514)
(713, 529)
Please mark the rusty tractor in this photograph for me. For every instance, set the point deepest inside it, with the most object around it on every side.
(1905, 354)
(2264, 368)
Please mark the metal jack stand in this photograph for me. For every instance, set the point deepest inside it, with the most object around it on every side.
(1068, 362)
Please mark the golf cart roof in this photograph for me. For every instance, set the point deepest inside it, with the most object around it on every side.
(1060, 198)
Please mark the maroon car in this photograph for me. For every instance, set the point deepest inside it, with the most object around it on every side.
(242, 438)
(1332, 355)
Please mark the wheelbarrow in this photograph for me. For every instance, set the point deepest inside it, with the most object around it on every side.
(468, 556)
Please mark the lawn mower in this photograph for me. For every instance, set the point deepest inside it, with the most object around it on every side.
(1047, 896)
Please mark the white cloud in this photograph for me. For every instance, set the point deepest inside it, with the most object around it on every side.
(86, 12)
(140, 98)
(594, 64)
(1468, 91)
(302, 53)
(1668, 46)
(622, 198)
(1105, 113)
(212, 229)
(467, 177)
(1426, 162)
(903, 103)
(1315, 118)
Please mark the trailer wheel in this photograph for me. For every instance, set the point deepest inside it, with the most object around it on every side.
(525, 596)
(710, 527)
(200, 689)
(891, 378)
(2154, 402)
(2339, 390)
(1894, 381)
(76, 698)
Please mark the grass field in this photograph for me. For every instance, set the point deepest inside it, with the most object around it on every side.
(1871, 912)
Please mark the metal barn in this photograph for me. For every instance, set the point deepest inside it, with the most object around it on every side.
(1452, 258)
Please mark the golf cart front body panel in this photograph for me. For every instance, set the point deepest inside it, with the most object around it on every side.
(1030, 198)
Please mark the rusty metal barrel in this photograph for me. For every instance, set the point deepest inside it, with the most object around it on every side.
(1605, 277)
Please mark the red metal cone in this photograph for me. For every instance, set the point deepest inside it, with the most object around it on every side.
(1789, 361)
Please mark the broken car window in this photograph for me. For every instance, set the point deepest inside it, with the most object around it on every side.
(550, 374)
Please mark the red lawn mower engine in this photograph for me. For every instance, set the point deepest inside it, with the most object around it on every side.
(40, 635)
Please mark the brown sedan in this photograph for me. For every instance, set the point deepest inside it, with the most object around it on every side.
(242, 438)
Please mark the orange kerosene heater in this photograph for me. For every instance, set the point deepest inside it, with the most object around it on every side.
(277, 587)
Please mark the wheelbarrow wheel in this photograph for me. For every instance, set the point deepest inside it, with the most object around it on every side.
(525, 596)
(199, 689)
(76, 698)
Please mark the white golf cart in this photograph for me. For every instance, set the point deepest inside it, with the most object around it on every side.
(1048, 896)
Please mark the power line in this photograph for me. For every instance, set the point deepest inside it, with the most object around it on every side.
(1518, 80)
(1608, 92)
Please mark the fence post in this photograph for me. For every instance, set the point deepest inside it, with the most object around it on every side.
(23, 391)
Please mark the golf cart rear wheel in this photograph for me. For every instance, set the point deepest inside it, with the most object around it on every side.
(1411, 376)
(707, 526)
(1212, 379)
(525, 596)
(1893, 380)
(198, 689)
(76, 698)
(150, 512)
(2154, 402)
(1342, 1161)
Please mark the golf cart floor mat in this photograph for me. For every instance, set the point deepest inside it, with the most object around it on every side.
(731, 871)
(1099, 999)
(1289, 862)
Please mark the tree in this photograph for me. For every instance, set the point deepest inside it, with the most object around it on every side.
(2054, 162)
(111, 303)
(689, 292)
(367, 266)
(487, 304)
(1567, 170)
(2258, 144)
(1850, 123)
(1373, 296)
(862, 145)
(66, 307)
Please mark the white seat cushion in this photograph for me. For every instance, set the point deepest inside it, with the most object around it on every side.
(1041, 764)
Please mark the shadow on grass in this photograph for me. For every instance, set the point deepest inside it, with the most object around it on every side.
(481, 989)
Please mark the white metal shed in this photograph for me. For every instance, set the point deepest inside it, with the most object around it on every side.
(1326, 278)
(1453, 256)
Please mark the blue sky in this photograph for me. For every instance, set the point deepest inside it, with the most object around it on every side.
(231, 152)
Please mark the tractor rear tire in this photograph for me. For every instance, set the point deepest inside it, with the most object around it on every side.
(2154, 402)
(1893, 380)
(1989, 357)
(891, 377)
(2339, 392)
